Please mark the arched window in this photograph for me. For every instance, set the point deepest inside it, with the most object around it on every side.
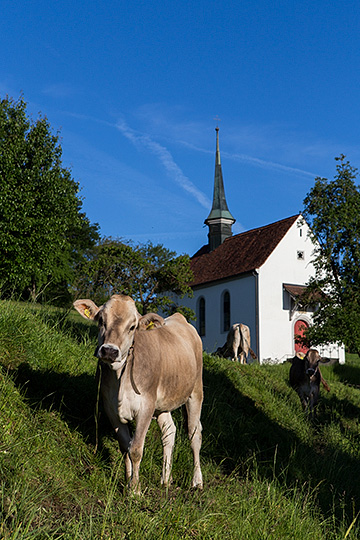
(201, 316)
(226, 312)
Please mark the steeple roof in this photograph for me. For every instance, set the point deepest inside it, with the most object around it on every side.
(239, 254)
(219, 206)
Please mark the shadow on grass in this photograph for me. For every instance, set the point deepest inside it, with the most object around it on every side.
(348, 374)
(68, 322)
(343, 408)
(235, 430)
(74, 397)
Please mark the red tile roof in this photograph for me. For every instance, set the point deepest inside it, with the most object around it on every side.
(239, 254)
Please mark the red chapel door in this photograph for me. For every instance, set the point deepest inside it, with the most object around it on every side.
(299, 330)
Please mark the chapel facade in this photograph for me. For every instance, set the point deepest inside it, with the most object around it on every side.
(256, 278)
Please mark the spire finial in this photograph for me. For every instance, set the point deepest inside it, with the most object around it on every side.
(217, 122)
(217, 154)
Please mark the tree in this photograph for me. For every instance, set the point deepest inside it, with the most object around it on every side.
(42, 229)
(332, 209)
(150, 274)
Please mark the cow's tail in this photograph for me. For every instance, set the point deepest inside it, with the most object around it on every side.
(324, 383)
(253, 355)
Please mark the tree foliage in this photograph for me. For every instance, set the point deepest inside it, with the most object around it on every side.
(332, 209)
(43, 232)
(150, 274)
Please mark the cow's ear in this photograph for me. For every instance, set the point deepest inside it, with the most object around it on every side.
(300, 355)
(87, 308)
(324, 360)
(150, 321)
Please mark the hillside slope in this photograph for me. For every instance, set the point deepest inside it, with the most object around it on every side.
(268, 471)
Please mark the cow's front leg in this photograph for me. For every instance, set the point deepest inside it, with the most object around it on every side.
(304, 401)
(168, 431)
(313, 402)
(137, 448)
(122, 434)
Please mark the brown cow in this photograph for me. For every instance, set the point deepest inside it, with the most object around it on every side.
(305, 377)
(237, 342)
(149, 367)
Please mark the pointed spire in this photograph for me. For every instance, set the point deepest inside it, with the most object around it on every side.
(220, 219)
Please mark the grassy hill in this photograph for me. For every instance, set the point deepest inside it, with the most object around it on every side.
(269, 473)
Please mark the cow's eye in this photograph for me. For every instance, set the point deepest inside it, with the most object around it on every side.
(132, 328)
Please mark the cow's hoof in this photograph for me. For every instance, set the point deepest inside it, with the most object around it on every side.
(197, 484)
(167, 483)
(134, 490)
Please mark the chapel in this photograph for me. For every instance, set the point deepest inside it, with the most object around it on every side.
(256, 278)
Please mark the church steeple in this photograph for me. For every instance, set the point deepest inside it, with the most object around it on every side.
(219, 220)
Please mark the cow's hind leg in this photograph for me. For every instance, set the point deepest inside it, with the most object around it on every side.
(193, 408)
(168, 431)
(235, 352)
(236, 345)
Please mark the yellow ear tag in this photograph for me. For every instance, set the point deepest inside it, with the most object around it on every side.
(150, 325)
(87, 312)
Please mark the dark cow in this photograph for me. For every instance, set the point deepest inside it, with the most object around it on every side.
(237, 344)
(149, 367)
(305, 378)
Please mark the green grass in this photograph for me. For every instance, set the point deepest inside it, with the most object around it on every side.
(269, 473)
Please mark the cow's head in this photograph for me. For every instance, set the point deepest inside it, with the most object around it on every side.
(312, 360)
(117, 319)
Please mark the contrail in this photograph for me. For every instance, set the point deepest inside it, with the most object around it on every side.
(167, 161)
(268, 164)
(254, 161)
(172, 167)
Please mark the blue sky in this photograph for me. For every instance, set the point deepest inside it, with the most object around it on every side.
(135, 86)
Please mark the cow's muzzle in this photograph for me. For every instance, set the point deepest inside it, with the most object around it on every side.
(108, 352)
(310, 372)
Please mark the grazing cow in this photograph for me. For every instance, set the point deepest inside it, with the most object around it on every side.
(305, 378)
(237, 342)
(149, 367)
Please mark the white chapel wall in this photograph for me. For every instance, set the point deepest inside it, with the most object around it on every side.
(242, 309)
(289, 263)
(285, 265)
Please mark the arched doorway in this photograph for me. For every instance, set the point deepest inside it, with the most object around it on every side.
(299, 330)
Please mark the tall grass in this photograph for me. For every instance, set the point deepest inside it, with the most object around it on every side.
(269, 472)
